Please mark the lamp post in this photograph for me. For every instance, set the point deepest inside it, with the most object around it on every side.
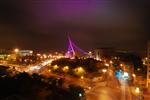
(16, 50)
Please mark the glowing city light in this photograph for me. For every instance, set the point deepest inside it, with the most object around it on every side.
(111, 62)
(104, 70)
(34, 68)
(16, 50)
(46, 62)
(90, 52)
(80, 95)
(49, 70)
(66, 68)
(80, 69)
(137, 90)
(121, 65)
(133, 75)
(106, 64)
(31, 52)
(38, 54)
(55, 67)
(45, 56)
(146, 58)
(125, 75)
(82, 77)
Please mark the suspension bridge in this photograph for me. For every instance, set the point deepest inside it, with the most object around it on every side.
(73, 50)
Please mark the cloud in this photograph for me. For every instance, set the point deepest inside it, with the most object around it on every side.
(92, 23)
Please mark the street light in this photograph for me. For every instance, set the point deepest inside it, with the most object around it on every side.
(82, 77)
(55, 67)
(134, 75)
(80, 95)
(80, 69)
(137, 90)
(16, 50)
(104, 70)
(45, 56)
(66, 69)
(49, 70)
(31, 52)
(90, 52)
(121, 65)
(106, 64)
(111, 62)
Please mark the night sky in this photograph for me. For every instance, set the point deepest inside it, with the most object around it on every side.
(44, 24)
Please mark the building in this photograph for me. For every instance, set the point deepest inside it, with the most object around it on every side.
(148, 64)
(4, 54)
(145, 61)
(25, 53)
(19, 53)
(102, 53)
(97, 54)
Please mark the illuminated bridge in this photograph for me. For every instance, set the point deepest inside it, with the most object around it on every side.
(74, 50)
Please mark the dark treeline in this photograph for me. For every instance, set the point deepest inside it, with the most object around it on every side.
(23, 86)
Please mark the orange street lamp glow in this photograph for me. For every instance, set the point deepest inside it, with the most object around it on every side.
(107, 65)
(137, 90)
(82, 77)
(121, 65)
(111, 62)
(104, 70)
(16, 50)
(133, 75)
(65, 69)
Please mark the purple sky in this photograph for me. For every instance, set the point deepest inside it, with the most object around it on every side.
(43, 24)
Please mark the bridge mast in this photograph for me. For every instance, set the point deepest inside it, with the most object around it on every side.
(73, 50)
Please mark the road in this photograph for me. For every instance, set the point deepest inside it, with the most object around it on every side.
(106, 90)
(102, 92)
(111, 89)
